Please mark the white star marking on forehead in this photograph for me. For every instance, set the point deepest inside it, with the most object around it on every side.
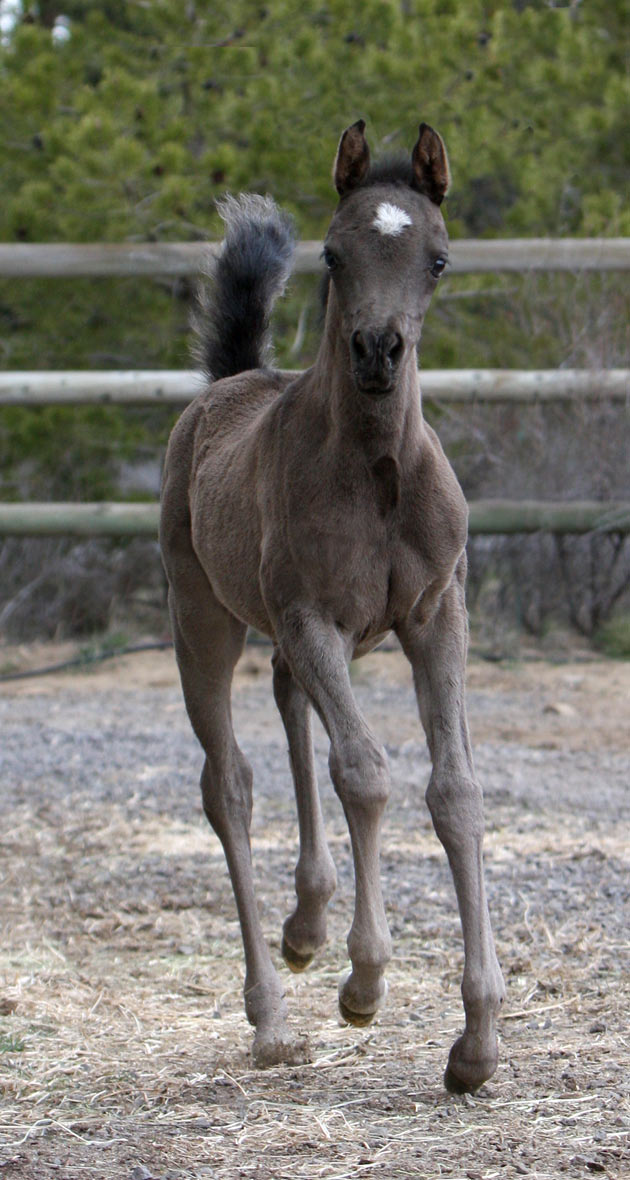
(390, 219)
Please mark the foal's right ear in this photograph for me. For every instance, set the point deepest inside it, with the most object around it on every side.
(352, 160)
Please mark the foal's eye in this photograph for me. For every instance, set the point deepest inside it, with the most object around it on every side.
(330, 259)
(438, 267)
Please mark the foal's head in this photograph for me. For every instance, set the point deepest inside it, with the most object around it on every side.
(385, 251)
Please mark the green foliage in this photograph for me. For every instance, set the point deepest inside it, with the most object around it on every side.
(147, 101)
(613, 637)
(130, 129)
(10, 1043)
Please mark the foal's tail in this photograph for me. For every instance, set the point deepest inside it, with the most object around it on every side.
(234, 307)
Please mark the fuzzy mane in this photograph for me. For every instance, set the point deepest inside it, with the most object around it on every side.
(390, 170)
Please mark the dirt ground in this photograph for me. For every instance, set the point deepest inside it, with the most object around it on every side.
(124, 1049)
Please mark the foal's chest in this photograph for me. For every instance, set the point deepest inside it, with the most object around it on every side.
(362, 539)
(360, 563)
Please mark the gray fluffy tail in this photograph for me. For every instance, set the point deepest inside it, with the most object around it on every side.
(234, 305)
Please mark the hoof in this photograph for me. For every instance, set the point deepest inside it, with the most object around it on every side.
(280, 1049)
(293, 958)
(353, 1015)
(463, 1076)
(358, 1019)
(455, 1085)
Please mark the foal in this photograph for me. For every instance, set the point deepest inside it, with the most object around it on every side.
(319, 508)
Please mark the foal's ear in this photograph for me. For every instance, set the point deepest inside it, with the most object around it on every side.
(431, 174)
(352, 160)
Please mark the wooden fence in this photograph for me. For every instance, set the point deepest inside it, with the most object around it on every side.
(61, 260)
(102, 519)
(466, 256)
(177, 387)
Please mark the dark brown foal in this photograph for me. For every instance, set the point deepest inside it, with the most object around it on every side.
(319, 508)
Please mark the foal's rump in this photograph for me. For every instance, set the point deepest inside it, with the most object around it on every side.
(210, 488)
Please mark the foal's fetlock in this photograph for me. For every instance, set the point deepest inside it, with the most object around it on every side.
(265, 1005)
(483, 995)
(274, 1043)
(474, 1056)
(304, 931)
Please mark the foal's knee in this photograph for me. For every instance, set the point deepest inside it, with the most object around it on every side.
(360, 773)
(456, 806)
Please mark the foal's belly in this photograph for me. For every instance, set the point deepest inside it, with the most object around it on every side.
(229, 551)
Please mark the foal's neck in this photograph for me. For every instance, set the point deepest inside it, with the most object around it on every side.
(388, 425)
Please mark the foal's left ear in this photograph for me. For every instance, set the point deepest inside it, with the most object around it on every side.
(431, 174)
(352, 160)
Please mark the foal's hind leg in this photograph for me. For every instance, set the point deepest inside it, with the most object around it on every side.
(318, 657)
(437, 652)
(208, 642)
(315, 876)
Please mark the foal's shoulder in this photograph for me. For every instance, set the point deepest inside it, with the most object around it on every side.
(437, 503)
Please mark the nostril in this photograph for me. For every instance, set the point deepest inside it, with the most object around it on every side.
(359, 346)
(395, 348)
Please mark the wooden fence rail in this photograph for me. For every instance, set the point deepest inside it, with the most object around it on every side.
(467, 256)
(135, 520)
(178, 386)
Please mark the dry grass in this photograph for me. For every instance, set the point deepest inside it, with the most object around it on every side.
(124, 1051)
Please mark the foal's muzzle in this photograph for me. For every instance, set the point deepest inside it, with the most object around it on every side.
(375, 359)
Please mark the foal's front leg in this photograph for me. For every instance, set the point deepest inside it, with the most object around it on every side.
(318, 658)
(437, 652)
